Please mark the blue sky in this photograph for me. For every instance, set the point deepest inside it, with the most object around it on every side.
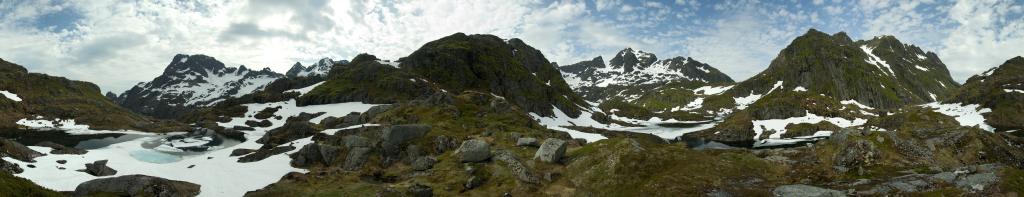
(117, 44)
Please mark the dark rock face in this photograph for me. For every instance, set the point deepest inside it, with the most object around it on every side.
(241, 151)
(61, 149)
(99, 168)
(137, 185)
(315, 153)
(264, 153)
(191, 81)
(356, 158)
(486, 63)
(10, 148)
(288, 132)
(1000, 89)
(551, 151)
(367, 80)
(9, 167)
(629, 60)
(400, 134)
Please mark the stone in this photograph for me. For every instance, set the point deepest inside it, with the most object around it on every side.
(551, 151)
(473, 182)
(13, 149)
(977, 182)
(418, 190)
(352, 141)
(400, 134)
(356, 158)
(474, 150)
(444, 143)
(517, 168)
(137, 185)
(61, 149)
(805, 191)
(241, 151)
(242, 128)
(99, 168)
(264, 153)
(10, 167)
(233, 134)
(527, 141)
(423, 163)
(262, 123)
(62, 161)
(288, 132)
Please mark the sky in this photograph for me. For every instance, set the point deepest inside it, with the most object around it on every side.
(117, 44)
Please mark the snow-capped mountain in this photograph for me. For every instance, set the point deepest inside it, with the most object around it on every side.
(193, 81)
(320, 68)
(630, 68)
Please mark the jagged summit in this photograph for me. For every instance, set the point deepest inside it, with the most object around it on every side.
(629, 60)
(320, 68)
(192, 81)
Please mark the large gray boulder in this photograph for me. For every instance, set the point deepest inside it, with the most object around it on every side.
(356, 158)
(474, 150)
(805, 191)
(9, 167)
(352, 141)
(315, 153)
(527, 141)
(99, 168)
(10, 148)
(288, 132)
(423, 163)
(518, 169)
(399, 134)
(137, 185)
(551, 151)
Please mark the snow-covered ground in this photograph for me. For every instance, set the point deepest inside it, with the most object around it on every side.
(9, 95)
(967, 115)
(779, 126)
(651, 126)
(217, 172)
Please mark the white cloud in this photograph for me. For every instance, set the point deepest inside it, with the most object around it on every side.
(985, 38)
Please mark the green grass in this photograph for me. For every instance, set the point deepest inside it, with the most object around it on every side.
(11, 185)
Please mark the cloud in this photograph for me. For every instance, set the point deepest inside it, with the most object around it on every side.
(988, 33)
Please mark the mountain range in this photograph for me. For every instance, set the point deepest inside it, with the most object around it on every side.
(479, 115)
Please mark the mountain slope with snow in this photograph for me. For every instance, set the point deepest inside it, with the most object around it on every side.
(191, 81)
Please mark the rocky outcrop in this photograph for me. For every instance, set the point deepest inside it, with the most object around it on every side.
(288, 132)
(315, 153)
(551, 151)
(805, 191)
(99, 168)
(527, 141)
(61, 149)
(1000, 89)
(264, 153)
(10, 148)
(137, 185)
(474, 150)
(356, 158)
(516, 167)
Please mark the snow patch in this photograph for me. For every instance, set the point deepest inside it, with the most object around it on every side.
(779, 125)
(1013, 90)
(799, 89)
(12, 96)
(711, 90)
(921, 68)
(967, 115)
(854, 102)
(872, 59)
(306, 89)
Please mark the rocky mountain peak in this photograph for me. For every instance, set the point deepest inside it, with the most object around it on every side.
(319, 68)
(629, 60)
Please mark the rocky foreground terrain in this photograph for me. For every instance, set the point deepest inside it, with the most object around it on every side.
(478, 115)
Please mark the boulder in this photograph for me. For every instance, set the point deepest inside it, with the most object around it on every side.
(352, 141)
(10, 148)
(551, 151)
(805, 191)
(233, 134)
(474, 150)
(444, 143)
(99, 168)
(423, 163)
(262, 123)
(418, 190)
(241, 151)
(315, 153)
(137, 185)
(356, 158)
(242, 128)
(520, 171)
(263, 153)
(9, 167)
(527, 141)
(400, 134)
(288, 132)
(61, 149)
